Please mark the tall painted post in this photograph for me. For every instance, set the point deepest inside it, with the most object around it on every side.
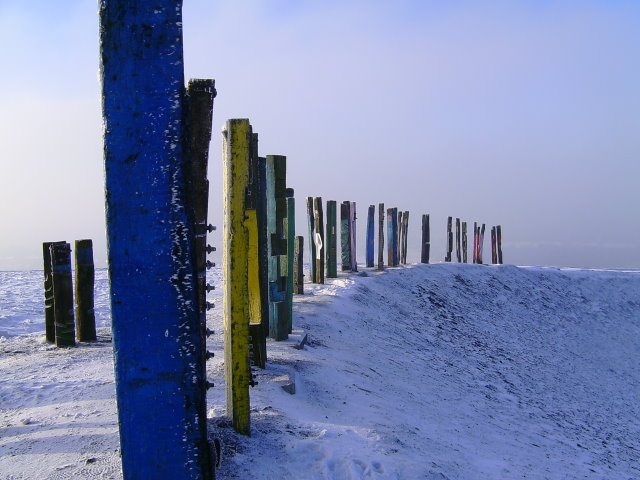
(319, 239)
(155, 323)
(345, 235)
(447, 258)
(381, 236)
(290, 235)
(458, 253)
(464, 242)
(237, 139)
(331, 239)
(480, 243)
(426, 239)
(475, 242)
(499, 242)
(62, 294)
(85, 280)
(394, 239)
(370, 233)
(49, 313)
(298, 275)
(352, 236)
(400, 236)
(390, 237)
(276, 210)
(312, 239)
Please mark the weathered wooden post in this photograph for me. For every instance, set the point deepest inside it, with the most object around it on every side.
(381, 236)
(400, 236)
(352, 236)
(370, 232)
(85, 279)
(458, 256)
(331, 239)
(298, 273)
(237, 138)
(475, 242)
(319, 239)
(464, 242)
(494, 253)
(312, 240)
(426, 239)
(276, 211)
(447, 258)
(405, 236)
(480, 243)
(62, 294)
(290, 235)
(345, 235)
(394, 239)
(390, 236)
(49, 313)
(159, 361)
(499, 242)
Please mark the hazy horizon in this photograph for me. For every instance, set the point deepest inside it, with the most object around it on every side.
(523, 114)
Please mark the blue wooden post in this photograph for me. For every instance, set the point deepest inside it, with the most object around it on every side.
(370, 232)
(159, 360)
(394, 226)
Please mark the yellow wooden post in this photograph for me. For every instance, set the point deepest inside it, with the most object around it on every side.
(237, 138)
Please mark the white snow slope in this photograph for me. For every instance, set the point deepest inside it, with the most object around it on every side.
(424, 372)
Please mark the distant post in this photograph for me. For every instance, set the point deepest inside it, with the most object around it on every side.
(405, 234)
(499, 241)
(480, 243)
(62, 294)
(319, 239)
(447, 258)
(49, 313)
(312, 240)
(352, 236)
(85, 280)
(394, 237)
(400, 236)
(464, 242)
(458, 256)
(494, 253)
(475, 242)
(426, 239)
(370, 233)
(381, 236)
(331, 239)
(298, 274)
(345, 235)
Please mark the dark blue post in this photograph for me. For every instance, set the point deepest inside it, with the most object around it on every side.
(370, 232)
(159, 359)
(394, 226)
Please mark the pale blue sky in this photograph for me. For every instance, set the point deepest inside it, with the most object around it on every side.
(522, 113)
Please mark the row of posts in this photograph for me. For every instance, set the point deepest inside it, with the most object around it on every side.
(478, 241)
(62, 326)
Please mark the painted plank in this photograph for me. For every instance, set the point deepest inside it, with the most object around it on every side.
(458, 238)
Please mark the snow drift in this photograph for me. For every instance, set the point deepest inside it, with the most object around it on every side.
(424, 372)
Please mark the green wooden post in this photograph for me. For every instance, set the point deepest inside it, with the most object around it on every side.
(298, 274)
(49, 313)
(276, 210)
(311, 222)
(290, 234)
(319, 238)
(62, 294)
(464, 242)
(345, 235)
(330, 239)
(499, 242)
(352, 236)
(381, 236)
(85, 280)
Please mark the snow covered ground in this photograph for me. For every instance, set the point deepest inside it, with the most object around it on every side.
(443, 371)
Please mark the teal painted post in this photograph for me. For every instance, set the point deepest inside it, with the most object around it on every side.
(330, 238)
(370, 233)
(352, 236)
(290, 233)
(345, 235)
(396, 251)
(311, 222)
(390, 235)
